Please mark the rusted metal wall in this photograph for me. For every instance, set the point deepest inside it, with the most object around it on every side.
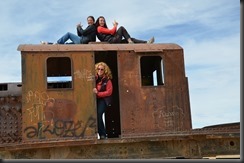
(194, 144)
(37, 122)
(144, 109)
(10, 114)
(177, 92)
(150, 109)
(51, 114)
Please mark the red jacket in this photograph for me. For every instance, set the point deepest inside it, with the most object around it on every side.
(109, 88)
(104, 30)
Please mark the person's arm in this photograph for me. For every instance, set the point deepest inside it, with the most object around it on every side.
(78, 31)
(78, 26)
(108, 92)
(106, 30)
(87, 31)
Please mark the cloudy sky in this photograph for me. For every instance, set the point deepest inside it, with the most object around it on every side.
(208, 31)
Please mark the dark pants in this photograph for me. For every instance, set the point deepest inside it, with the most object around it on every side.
(122, 32)
(101, 108)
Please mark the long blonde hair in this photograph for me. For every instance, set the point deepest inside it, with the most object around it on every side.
(107, 70)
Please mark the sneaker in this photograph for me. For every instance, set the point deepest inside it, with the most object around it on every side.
(151, 41)
(47, 43)
(102, 137)
(44, 42)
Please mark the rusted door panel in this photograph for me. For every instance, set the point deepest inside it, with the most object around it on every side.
(128, 72)
(84, 82)
(58, 113)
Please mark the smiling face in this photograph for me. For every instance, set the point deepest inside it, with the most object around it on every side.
(101, 21)
(100, 70)
(90, 21)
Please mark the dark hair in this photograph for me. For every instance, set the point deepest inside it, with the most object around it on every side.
(91, 18)
(97, 22)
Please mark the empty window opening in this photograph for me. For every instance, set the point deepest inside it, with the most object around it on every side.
(59, 73)
(3, 87)
(152, 71)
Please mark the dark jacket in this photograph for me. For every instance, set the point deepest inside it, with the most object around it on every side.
(87, 35)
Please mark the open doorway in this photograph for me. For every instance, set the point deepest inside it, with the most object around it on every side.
(112, 114)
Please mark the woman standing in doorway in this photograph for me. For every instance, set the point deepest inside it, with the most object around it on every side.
(103, 91)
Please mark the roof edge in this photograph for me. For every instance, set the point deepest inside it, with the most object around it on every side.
(99, 47)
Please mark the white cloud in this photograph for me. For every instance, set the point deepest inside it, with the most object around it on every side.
(213, 70)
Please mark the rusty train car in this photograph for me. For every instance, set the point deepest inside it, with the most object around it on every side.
(51, 114)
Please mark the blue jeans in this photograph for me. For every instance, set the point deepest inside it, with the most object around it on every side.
(101, 108)
(74, 38)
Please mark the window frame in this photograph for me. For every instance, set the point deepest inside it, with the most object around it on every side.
(162, 72)
(69, 83)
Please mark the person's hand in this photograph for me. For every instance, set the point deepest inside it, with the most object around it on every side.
(115, 23)
(95, 90)
(79, 25)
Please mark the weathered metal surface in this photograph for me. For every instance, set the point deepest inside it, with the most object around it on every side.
(150, 109)
(150, 116)
(10, 89)
(144, 109)
(199, 143)
(10, 113)
(57, 113)
(100, 47)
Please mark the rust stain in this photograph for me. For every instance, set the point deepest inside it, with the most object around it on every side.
(60, 109)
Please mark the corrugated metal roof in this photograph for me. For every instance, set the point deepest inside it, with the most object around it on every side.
(100, 47)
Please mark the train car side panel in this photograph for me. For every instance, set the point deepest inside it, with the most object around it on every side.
(57, 96)
(153, 92)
